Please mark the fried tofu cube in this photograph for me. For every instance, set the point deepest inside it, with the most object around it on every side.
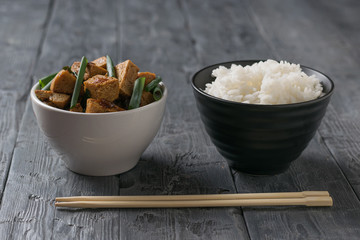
(149, 76)
(100, 62)
(60, 100)
(101, 106)
(103, 87)
(43, 95)
(90, 71)
(63, 82)
(51, 104)
(146, 98)
(75, 67)
(53, 99)
(95, 70)
(77, 108)
(127, 73)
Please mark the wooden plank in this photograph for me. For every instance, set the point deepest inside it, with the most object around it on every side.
(314, 170)
(341, 128)
(341, 135)
(180, 160)
(293, 34)
(89, 28)
(222, 31)
(345, 21)
(8, 133)
(333, 44)
(36, 177)
(285, 31)
(24, 210)
(21, 54)
(37, 174)
(303, 33)
(87, 224)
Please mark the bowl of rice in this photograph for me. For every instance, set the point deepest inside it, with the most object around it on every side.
(261, 115)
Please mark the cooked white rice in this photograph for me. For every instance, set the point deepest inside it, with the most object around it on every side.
(268, 82)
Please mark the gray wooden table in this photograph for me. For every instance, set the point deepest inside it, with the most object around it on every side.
(174, 39)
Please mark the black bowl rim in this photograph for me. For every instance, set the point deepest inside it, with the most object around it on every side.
(322, 98)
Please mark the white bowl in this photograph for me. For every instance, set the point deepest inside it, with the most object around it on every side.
(99, 144)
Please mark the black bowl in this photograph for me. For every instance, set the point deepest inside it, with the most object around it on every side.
(254, 138)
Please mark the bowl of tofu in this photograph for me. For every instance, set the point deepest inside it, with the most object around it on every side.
(100, 135)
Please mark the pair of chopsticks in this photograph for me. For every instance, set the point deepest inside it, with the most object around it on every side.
(305, 198)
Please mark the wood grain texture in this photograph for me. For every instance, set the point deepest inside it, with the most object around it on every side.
(224, 31)
(335, 47)
(345, 21)
(315, 169)
(37, 174)
(8, 133)
(174, 39)
(21, 31)
(19, 56)
(114, 224)
(295, 37)
(290, 35)
(88, 28)
(267, 223)
(341, 127)
(25, 208)
(176, 162)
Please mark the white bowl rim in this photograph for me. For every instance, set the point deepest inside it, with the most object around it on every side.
(153, 104)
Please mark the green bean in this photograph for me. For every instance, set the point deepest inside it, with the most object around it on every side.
(45, 80)
(67, 68)
(47, 86)
(79, 81)
(157, 93)
(137, 92)
(110, 66)
(85, 98)
(152, 85)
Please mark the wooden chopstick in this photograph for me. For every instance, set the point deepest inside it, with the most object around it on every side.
(306, 198)
(197, 197)
(305, 201)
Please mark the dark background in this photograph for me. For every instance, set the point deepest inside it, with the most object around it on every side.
(174, 39)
